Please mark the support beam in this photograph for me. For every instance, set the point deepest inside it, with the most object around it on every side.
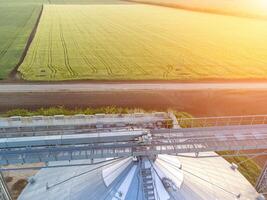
(261, 185)
(4, 192)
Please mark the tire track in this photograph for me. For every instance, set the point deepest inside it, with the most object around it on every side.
(121, 27)
(168, 71)
(30, 39)
(33, 57)
(84, 57)
(4, 46)
(50, 53)
(65, 49)
(106, 65)
(12, 40)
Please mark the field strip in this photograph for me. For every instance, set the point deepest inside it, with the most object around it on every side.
(102, 87)
(212, 7)
(29, 41)
(143, 42)
(18, 31)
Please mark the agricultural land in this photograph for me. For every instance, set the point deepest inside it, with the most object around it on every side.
(121, 40)
(239, 8)
(17, 21)
(143, 42)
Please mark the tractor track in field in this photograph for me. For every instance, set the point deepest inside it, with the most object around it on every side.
(106, 65)
(108, 68)
(50, 53)
(13, 73)
(102, 60)
(143, 72)
(4, 46)
(127, 70)
(84, 57)
(11, 41)
(167, 71)
(94, 69)
(126, 29)
(66, 56)
(33, 57)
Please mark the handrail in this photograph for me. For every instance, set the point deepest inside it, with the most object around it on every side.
(222, 121)
(4, 192)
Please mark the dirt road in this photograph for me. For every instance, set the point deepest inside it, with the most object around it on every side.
(199, 99)
(101, 87)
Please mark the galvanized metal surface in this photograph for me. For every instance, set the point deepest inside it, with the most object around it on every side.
(222, 121)
(163, 141)
(4, 193)
(261, 185)
(209, 179)
(198, 135)
(58, 125)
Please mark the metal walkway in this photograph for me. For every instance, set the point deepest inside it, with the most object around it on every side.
(72, 138)
(62, 125)
(147, 181)
(131, 143)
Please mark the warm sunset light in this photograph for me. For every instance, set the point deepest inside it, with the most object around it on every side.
(256, 8)
(133, 99)
(263, 5)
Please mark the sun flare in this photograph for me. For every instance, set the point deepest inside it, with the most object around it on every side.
(258, 6)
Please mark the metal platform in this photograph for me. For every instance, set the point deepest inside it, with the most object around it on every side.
(59, 124)
(132, 143)
(61, 138)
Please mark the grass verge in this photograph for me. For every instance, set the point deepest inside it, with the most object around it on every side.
(65, 111)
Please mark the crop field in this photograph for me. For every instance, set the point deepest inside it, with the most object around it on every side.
(143, 42)
(241, 8)
(17, 20)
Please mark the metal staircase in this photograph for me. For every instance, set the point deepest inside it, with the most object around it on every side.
(4, 193)
(148, 185)
(261, 184)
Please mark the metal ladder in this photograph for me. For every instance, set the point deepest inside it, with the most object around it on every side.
(148, 186)
(261, 184)
(4, 193)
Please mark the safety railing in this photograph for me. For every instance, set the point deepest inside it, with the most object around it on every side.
(4, 192)
(222, 121)
(80, 118)
(48, 125)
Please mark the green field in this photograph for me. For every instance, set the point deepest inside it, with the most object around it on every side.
(138, 42)
(17, 19)
(114, 40)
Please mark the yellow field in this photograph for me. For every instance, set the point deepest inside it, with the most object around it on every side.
(138, 42)
(242, 8)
